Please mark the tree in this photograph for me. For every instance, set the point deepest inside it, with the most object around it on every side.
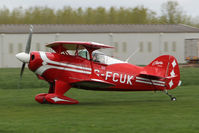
(173, 14)
(4, 16)
(112, 14)
(100, 15)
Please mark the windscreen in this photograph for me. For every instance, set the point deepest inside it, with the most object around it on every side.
(99, 57)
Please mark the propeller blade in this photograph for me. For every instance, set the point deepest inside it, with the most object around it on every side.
(22, 69)
(27, 50)
(28, 44)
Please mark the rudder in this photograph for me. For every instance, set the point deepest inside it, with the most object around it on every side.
(165, 66)
(173, 74)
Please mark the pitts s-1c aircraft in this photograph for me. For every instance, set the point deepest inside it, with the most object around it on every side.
(87, 68)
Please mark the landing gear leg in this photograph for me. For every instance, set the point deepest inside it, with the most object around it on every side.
(172, 97)
(56, 96)
(52, 87)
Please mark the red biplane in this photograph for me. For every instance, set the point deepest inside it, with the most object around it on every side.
(80, 65)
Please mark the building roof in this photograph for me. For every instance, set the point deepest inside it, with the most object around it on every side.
(98, 28)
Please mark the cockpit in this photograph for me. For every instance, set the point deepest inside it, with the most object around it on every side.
(73, 48)
(99, 57)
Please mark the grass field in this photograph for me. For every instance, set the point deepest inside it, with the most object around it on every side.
(98, 112)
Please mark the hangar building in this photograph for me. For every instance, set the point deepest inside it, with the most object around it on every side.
(149, 40)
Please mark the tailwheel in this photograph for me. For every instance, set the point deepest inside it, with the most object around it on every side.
(172, 97)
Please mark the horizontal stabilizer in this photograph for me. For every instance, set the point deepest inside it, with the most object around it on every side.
(152, 77)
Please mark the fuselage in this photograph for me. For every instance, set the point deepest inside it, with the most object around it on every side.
(72, 69)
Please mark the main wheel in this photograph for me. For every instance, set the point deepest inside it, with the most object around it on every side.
(40, 98)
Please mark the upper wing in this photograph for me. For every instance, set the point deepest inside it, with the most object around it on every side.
(60, 46)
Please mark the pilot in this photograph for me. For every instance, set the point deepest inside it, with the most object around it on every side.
(95, 57)
(98, 57)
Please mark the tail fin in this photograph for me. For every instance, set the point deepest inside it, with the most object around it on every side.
(166, 67)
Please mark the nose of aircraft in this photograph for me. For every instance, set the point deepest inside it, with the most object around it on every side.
(23, 57)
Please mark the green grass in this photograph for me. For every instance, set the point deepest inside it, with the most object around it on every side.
(98, 112)
(9, 79)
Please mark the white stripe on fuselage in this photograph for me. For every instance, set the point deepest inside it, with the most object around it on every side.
(145, 82)
(43, 68)
(151, 82)
(45, 58)
(62, 66)
(158, 81)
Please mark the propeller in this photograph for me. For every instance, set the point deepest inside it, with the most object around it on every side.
(25, 56)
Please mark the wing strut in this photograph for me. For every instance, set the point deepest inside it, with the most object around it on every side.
(90, 51)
